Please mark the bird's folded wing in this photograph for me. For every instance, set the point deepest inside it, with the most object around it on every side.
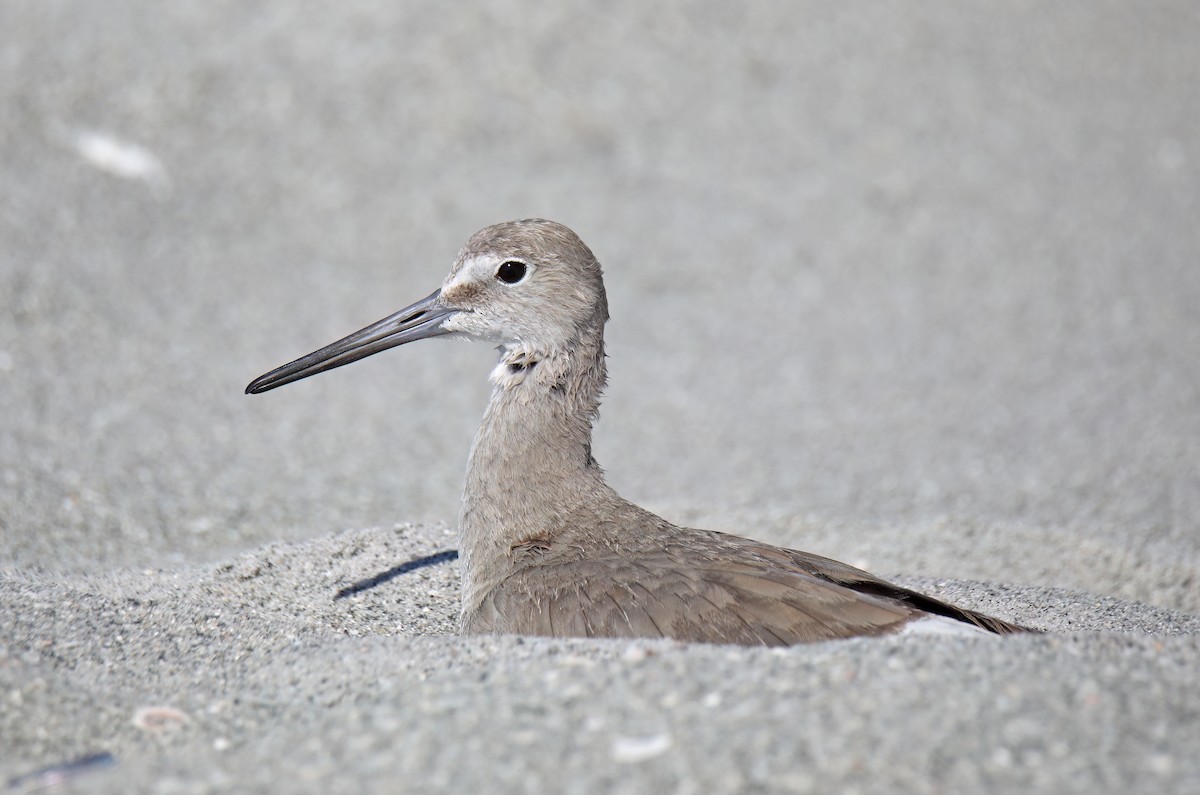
(721, 602)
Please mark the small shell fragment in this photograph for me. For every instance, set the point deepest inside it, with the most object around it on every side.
(631, 750)
(159, 719)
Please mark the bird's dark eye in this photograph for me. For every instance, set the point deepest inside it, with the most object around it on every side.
(512, 271)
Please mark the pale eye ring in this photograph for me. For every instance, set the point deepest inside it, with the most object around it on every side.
(512, 271)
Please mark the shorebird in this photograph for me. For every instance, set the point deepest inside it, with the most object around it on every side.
(547, 547)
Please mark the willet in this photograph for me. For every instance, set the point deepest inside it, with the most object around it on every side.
(547, 547)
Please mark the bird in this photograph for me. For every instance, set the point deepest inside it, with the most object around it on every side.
(547, 547)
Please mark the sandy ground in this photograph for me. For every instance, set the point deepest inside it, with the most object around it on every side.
(913, 288)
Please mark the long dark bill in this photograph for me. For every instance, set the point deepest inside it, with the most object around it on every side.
(422, 319)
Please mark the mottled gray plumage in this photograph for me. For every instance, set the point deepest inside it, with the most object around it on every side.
(547, 547)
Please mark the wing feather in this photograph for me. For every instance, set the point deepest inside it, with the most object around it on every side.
(703, 586)
(652, 598)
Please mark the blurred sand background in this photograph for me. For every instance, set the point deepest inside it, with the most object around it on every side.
(916, 288)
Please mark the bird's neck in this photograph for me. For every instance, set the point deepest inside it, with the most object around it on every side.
(531, 465)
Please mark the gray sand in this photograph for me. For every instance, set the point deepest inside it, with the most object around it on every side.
(916, 292)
